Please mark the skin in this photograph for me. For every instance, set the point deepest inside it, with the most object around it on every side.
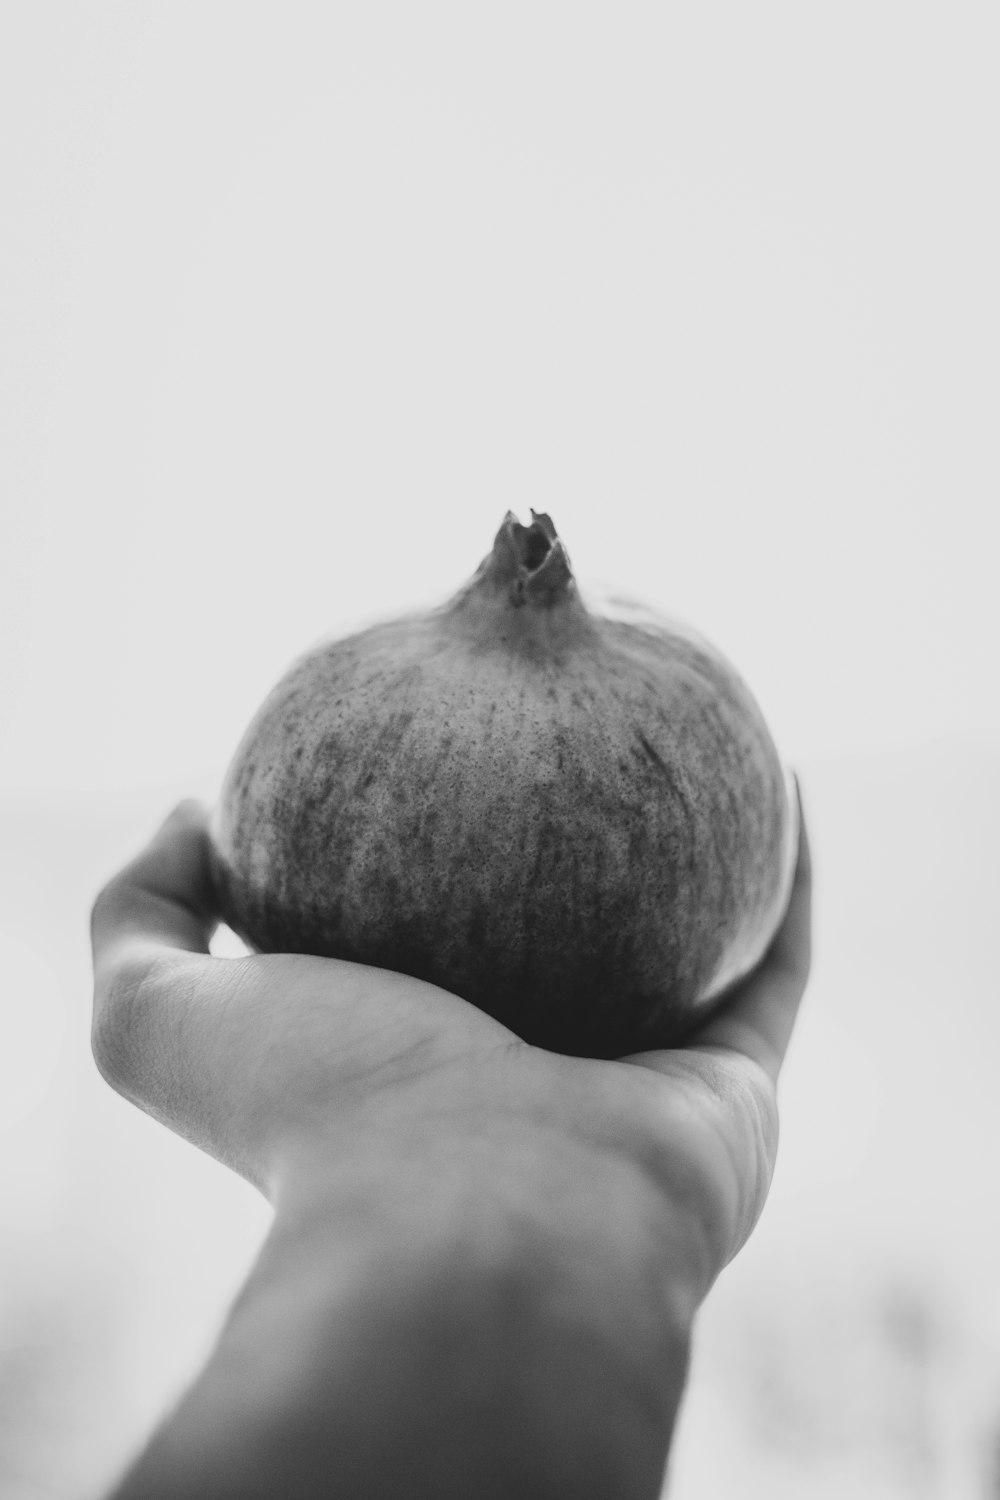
(485, 1259)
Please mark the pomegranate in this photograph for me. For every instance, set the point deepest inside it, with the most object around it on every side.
(576, 821)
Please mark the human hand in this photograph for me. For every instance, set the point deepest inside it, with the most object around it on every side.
(636, 1180)
(254, 1057)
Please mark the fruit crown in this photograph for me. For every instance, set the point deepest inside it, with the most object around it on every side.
(530, 561)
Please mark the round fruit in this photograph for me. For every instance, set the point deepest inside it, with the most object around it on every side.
(577, 822)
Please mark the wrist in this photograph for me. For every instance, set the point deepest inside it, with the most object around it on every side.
(527, 1269)
(516, 1197)
(441, 1317)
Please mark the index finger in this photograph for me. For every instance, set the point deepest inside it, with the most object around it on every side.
(147, 922)
(163, 898)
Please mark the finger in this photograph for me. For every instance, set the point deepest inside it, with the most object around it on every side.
(156, 912)
(757, 1019)
(163, 897)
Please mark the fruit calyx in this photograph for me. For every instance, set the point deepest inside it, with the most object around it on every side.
(530, 563)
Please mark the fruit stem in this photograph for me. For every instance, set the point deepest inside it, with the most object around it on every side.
(530, 562)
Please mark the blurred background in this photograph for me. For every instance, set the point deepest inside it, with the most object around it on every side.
(295, 302)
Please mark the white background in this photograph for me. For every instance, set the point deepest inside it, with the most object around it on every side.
(295, 302)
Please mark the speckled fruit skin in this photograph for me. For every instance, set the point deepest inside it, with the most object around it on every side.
(579, 823)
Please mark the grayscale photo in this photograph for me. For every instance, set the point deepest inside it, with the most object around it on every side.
(499, 751)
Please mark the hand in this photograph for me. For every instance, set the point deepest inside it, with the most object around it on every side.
(246, 1056)
(317, 1078)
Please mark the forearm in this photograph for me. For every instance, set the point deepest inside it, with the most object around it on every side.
(441, 1330)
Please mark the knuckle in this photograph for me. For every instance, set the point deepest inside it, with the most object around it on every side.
(120, 1035)
(732, 1145)
(754, 1163)
(105, 1046)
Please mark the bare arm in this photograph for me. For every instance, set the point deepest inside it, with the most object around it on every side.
(385, 1347)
